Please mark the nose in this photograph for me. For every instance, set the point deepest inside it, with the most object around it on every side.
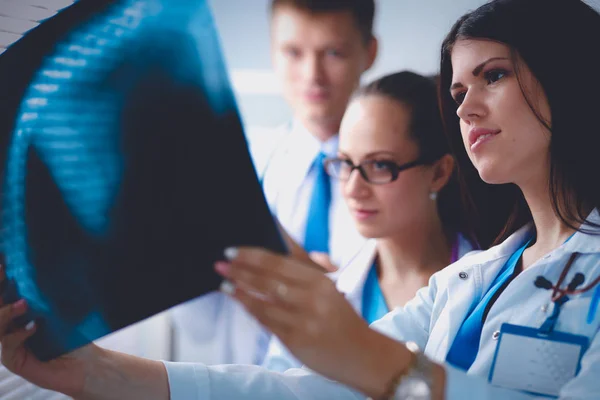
(313, 69)
(472, 107)
(356, 187)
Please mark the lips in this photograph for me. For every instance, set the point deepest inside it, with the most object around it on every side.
(362, 214)
(480, 135)
(316, 94)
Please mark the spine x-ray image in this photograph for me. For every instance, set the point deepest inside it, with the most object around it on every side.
(124, 167)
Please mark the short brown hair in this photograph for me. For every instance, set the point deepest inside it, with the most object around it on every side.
(363, 11)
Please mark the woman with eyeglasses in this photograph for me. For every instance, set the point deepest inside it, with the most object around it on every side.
(397, 178)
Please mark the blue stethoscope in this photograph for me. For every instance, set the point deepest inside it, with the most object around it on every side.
(561, 296)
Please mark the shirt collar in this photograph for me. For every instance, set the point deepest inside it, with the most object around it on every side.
(302, 140)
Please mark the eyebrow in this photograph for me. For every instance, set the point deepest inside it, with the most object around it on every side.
(371, 155)
(477, 70)
(294, 43)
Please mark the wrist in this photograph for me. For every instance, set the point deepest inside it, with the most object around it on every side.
(97, 369)
(421, 379)
(439, 383)
(388, 359)
(112, 375)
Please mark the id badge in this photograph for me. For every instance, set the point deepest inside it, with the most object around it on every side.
(540, 363)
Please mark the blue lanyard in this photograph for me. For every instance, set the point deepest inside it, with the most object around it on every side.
(594, 305)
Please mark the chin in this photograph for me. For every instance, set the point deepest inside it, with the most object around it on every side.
(317, 112)
(492, 175)
(370, 232)
(493, 179)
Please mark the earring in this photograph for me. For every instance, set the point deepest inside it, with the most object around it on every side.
(433, 196)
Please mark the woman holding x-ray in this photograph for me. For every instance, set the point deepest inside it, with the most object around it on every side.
(518, 321)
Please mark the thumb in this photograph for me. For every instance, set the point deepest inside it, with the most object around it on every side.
(323, 260)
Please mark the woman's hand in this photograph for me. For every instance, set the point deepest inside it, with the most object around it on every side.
(65, 374)
(89, 372)
(302, 306)
(323, 260)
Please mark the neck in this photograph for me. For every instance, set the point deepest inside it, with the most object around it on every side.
(322, 129)
(421, 251)
(551, 231)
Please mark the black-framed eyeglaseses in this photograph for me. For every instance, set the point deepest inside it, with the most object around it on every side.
(372, 171)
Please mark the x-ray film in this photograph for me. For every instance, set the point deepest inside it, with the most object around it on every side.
(125, 172)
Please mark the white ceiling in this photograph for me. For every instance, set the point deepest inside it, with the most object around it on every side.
(396, 21)
(19, 16)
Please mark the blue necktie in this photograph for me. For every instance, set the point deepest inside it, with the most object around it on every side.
(317, 223)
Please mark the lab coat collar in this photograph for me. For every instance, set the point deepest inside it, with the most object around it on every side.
(588, 241)
(582, 242)
(350, 280)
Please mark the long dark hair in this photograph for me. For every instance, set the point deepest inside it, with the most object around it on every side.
(419, 95)
(558, 41)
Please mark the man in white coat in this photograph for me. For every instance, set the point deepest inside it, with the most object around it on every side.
(319, 51)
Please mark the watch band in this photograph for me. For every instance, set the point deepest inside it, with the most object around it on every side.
(417, 383)
(413, 383)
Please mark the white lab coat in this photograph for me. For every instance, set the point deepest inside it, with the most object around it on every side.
(213, 328)
(432, 319)
(351, 282)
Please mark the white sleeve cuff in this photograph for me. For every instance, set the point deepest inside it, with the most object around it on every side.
(187, 381)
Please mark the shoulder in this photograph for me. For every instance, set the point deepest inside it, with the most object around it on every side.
(470, 256)
(470, 261)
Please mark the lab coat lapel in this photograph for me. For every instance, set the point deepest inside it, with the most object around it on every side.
(467, 281)
(464, 287)
(350, 280)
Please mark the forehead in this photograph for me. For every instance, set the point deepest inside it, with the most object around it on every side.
(375, 123)
(290, 24)
(467, 54)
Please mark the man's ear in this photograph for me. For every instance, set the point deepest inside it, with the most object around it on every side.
(372, 50)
